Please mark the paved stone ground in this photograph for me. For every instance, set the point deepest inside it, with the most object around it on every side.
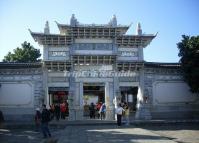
(169, 133)
(179, 132)
(24, 135)
(110, 134)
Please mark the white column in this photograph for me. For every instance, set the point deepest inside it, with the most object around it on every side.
(109, 101)
(80, 110)
(140, 54)
(47, 97)
(140, 95)
(143, 110)
(81, 95)
(45, 53)
(45, 83)
(78, 96)
(116, 95)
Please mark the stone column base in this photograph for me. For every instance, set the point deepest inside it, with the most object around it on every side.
(75, 114)
(143, 113)
(110, 114)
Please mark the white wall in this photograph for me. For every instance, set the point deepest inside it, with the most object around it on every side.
(171, 92)
(16, 94)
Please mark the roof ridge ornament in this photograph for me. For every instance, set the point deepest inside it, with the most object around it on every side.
(139, 29)
(73, 20)
(46, 28)
(113, 21)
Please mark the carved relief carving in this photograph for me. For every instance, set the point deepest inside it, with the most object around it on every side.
(20, 71)
(162, 71)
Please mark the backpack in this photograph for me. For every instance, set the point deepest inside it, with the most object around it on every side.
(103, 108)
(46, 116)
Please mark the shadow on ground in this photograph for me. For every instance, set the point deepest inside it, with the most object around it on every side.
(171, 127)
(105, 134)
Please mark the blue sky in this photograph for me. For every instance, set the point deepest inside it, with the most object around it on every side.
(170, 18)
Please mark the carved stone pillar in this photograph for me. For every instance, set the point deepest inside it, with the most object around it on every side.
(109, 101)
(143, 108)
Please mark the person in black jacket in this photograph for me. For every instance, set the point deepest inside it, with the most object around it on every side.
(45, 118)
(57, 111)
(92, 110)
(1, 118)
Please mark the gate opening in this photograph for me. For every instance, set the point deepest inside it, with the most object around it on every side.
(129, 95)
(58, 96)
(93, 93)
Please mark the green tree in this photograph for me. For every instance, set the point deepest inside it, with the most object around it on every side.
(27, 53)
(189, 53)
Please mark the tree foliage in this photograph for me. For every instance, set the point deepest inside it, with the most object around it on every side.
(189, 53)
(27, 53)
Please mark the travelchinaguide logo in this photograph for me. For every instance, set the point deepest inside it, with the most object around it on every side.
(100, 73)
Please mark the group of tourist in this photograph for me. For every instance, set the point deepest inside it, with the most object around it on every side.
(43, 118)
(59, 110)
(99, 109)
(122, 112)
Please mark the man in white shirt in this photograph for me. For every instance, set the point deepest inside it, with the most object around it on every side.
(119, 111)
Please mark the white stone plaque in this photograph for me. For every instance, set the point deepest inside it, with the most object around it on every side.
(58, 53)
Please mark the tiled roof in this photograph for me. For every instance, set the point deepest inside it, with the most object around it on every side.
(15, 65)
(162, 65)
